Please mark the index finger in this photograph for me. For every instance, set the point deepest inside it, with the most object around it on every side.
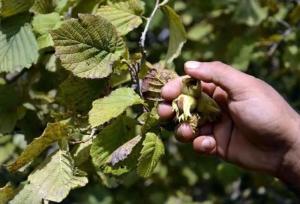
(172, 89)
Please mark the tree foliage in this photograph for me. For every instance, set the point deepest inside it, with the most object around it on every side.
(75, 126)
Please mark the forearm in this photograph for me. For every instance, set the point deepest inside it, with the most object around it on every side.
(289, 170)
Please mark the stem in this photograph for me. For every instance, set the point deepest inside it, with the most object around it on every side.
(275, 46)
(149, 19)
(91, 136)
(142, 44)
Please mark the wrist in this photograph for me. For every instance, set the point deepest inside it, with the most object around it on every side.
(289, 168)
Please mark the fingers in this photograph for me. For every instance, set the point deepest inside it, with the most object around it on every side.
(222, 133)
(221, 97)
(172, 89)
(205, 144)
(165, 111)
(218, 73)
(208, 88)
(184, 133)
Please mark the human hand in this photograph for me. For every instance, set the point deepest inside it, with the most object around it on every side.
(258, 129)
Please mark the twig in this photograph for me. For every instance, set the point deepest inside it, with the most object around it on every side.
(137, 67)
(91, 136)
(275, 46)
(144, 33)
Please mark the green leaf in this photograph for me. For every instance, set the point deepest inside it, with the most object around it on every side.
(52, 133)
(150, 121)
(43, 23)
(291, 57)
(112, 106)
(177, 34)
(52, 180)
(250, 12)
(153, 150)
(122, 15)
(81, 153)
(110, 139)
(43, 6)
(88, 47)
(12, 7)
(6, 151)
(240, 52)
(78, 94)
(45, 41)
(199, 31)
(19, 48)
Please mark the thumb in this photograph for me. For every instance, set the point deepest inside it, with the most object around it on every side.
(224, 76)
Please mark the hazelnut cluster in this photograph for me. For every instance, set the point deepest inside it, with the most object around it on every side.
(192, 106)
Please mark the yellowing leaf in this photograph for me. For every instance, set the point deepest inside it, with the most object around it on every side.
(52, 133)
(89, 46)
(110, 107)
(123, 151)
(177, 34)
(12, 7)
(153, 150)
(122, 15)
(18, 45)
(52, 180)
(7, 192)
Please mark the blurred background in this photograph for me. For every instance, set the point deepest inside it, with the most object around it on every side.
(261, 38)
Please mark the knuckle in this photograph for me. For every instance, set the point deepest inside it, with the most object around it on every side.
(218, 64)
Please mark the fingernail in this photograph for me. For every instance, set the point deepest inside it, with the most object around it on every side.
(192, 64)
(207, 144)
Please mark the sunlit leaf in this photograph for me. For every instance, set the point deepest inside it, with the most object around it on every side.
(19, 48)
(52, 180)
(52, 133)
(153, 150)
(43, 23)
(89, 46)
(110, 107)
(123, 15)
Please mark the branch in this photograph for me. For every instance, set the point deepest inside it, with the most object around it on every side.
(149, 19)
(275, 46)
(137, 67)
